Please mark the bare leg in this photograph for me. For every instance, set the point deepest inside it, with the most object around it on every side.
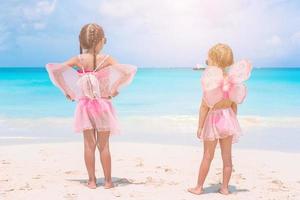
(103, 147)
(208, 154)
(226, 145)
(89, 156)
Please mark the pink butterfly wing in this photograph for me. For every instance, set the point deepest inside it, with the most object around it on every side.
(212, 78)
(65, 78)
(212, 81)
(239, 71)
(237, 93)
(212, 97)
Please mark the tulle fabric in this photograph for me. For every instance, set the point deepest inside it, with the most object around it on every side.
(121, 75)
(113, 77)
(219, 124)
(97, 114)
(65, 78)
(217, 86)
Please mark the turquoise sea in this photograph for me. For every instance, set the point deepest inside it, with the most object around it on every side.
(161, 105)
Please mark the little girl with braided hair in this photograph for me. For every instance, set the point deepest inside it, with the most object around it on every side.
(92, 79)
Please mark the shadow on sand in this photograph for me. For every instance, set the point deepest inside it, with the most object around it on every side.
(118, 182)
(214, 188)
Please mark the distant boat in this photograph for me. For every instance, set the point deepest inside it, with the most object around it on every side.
(199, 67)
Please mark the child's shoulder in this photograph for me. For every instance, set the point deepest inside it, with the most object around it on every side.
(72, 61)
(111, 60)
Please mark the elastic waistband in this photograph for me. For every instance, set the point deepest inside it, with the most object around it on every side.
(220, 109)
(96, 99)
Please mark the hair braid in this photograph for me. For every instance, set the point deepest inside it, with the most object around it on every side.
(89, 38)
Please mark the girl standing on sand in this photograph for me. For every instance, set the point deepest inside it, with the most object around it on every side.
(97, 79)
(223, 89)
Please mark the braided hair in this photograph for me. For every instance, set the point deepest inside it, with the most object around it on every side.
(89, 37)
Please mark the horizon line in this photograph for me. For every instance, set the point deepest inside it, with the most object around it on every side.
(147, 67)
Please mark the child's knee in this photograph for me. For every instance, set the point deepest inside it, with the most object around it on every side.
(208, 157)
(103, 147)
(90, 147)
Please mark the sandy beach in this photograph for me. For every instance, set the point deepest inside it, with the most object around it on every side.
(143, 171)
(128, 65)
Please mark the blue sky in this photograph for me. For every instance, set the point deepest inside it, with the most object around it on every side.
(152, 33)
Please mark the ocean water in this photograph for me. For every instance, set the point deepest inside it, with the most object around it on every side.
(28, 92)
(160, 103)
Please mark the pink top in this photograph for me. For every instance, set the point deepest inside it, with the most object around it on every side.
(112, 77)
(217, 86)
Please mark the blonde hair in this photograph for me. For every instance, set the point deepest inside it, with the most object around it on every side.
(221, 55)
(89, 37)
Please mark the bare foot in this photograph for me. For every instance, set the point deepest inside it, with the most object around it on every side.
(224, 191)
(91, 184)
(108, 185)
(196, 190)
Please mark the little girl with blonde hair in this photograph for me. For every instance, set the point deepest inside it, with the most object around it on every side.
(97, 79)
(223, 89)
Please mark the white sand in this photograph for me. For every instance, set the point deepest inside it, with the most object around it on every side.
(143, 171)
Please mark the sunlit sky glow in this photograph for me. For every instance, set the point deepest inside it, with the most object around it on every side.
(152, 33)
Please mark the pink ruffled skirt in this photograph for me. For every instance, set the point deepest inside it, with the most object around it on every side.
(221, 123)
(97, 114)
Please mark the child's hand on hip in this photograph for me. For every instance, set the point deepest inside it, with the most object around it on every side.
(114, 93)
(69, 97)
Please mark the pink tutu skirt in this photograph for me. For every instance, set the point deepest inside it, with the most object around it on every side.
(221, 123)
(97, 114)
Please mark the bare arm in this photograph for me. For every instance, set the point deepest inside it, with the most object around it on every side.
(112, 61)
(74, 61)
(234, 107)
(202, 117)
(58, 76)
(202, 114)
(126, 73)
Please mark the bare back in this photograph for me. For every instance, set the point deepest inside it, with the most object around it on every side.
(225, 103)
(87, 63)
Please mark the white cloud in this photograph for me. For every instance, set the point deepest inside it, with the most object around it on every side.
(160, 32)
(188, 28)
(34, 15)
(20, 18)
(275, 41)
(296, 38)
(40, 9)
